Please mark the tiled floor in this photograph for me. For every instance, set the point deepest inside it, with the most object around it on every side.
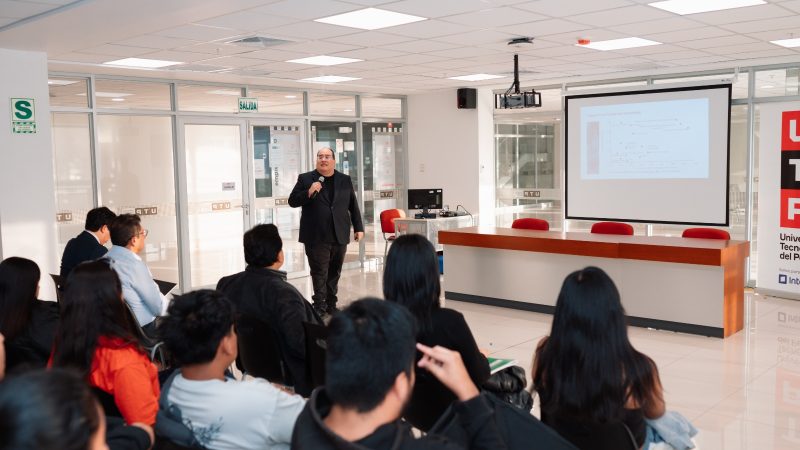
(742, 392)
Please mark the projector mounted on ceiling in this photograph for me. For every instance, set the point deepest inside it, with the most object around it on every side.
(513, 98)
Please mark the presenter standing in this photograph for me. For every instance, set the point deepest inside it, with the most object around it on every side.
(329, 208)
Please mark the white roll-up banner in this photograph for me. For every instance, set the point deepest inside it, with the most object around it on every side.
(778, 232)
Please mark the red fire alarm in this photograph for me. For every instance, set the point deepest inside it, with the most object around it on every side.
(582, 41)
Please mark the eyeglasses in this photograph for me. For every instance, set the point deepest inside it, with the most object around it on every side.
(142, 233)
(324, 157)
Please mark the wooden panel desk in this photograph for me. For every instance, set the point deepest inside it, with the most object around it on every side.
(680, 284)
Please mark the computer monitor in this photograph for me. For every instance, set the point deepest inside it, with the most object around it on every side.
(425, 199)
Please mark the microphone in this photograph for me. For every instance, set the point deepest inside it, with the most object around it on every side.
(321, 180)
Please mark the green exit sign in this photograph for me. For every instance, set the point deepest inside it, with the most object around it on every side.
(248, 104)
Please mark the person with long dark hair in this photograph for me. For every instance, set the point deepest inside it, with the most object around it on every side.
(98, 336)
(586, 372)
(411, 278)
(27, 323)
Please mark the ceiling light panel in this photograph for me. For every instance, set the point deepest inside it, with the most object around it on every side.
(619, 44)
(370, 19)
(141, 63)
(476, 77)
(328, 79)
(323, 60)
(789, 43)
(684, 7)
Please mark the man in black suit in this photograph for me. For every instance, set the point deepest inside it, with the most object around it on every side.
(90, 244)
(329, 208)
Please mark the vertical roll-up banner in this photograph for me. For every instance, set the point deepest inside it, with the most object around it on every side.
(778, 232)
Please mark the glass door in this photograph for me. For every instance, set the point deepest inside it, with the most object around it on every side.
(215, 211)
(276, 158)
(384, 159)
(341, 138)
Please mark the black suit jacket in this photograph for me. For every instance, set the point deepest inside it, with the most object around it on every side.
(320, 220)
(83, 247)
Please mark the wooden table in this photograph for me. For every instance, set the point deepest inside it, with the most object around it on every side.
(680, 284)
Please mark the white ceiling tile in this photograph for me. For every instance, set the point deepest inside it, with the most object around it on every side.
(274, 54)
(216, 49)
(370, 38)
(657, 26)
(545, 28)
(307, 10)
(620, 62)
(368, 54)
(421, 46)
(671, 56)
(428, 29)
(699, 61)
(20, 9)
(171, 55)
(740, 14)
(595, 34)
(118, 50)
(793, 5)
(495, 17)
(248, 21)
(316, 47)
(232, 61)
(310, 30)
(437, 8)
(85, 58)
(462, 52)
(753, 26)
(591, 56)
(773, 35)
(157, 42)
(410, 69)
(693, 34)
(5, 21)
(202, 33)
(369, 2)
(479, 37)
(414, 58)
(561, 8)
(276, 66)
(718, 42)
(733, 50)
(560, 51)
(649, 50)
(449, 64)
(618, 16)
(375, 65)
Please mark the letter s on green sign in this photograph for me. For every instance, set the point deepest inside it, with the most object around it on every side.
(22, 110)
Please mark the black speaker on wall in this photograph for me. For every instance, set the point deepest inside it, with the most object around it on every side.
(466, 98)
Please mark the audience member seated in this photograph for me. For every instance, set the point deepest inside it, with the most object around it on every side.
(98, 337)
(262, 292)
(222, 413)
(411, 278)
(91, 243)
(138, 288)
(586, 372)
(369, 379)
(55, 410)
(28, 324)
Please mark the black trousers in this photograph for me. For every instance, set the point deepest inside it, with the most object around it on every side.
(325, 261)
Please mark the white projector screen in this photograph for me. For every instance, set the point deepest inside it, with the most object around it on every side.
(656, 156)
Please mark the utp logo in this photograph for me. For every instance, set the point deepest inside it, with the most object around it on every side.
(790, 170)
(782, 279)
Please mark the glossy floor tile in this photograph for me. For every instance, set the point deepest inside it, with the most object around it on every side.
(742, 392)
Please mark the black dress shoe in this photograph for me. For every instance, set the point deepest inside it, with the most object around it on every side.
(321, 310)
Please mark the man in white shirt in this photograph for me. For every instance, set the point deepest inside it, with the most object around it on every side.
(138, 288)
(221, 412)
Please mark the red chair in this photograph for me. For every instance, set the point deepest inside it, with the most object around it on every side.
(612, 228)
(706, 233)
(387, 226)
(530, 223)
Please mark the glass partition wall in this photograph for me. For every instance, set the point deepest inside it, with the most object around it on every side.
(523, 184)
(200, 173)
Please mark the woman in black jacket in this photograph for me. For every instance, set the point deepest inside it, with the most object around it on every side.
(28, 324)
(411, 278)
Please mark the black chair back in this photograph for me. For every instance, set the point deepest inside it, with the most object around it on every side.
(259, 351)
(316, 349)
(107, 402)
(59, 282)
(609, 436)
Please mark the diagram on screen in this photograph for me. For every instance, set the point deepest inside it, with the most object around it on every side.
(645, 140)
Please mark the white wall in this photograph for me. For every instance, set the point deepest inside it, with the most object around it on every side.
(453, 149)
(27, 191)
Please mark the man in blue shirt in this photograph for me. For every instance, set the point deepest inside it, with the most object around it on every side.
(138, 288)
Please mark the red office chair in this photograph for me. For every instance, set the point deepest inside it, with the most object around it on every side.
(530, 223)
(612, 228)
(387, 226)
(706, 233)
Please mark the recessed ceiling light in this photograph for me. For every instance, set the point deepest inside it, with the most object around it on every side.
(117, 99)
(684, 7)
(230, 92)
(476, 77)
(142, 63)
(328, 79)
(107, 94)
(290, 96)
(787, 42)
(61, 82)
(348, 110)
(370, 19)
(619, 44)
(323, 60)
(768, 86)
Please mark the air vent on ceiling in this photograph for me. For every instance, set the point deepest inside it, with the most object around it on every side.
(249, 72)
(197, 68)
(258, 41)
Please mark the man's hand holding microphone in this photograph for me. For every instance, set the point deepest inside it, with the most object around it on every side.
(316, 187)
